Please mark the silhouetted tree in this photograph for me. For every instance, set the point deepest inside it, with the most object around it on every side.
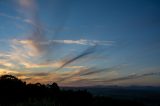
(55, 87)
(11, 81)
(11, 88)
(13, 91)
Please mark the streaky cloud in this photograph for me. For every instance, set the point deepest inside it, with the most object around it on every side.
(85, 42)
(86, 52)
(40, 74)
(133, 76)
(64, 41)
(86, 72)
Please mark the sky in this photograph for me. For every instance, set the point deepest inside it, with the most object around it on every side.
(81, 42)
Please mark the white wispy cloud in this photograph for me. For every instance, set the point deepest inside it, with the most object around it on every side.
(25, 20)
(28, 21)
(84, 42)
(22, 53)
(78, 42)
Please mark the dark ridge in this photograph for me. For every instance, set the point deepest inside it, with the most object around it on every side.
(15, 92)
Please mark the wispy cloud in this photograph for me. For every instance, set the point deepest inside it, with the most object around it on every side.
(6, 71)
(30, 16)
(87, 73)
(88, 81)
(78, 42)
(133, 76)
(86, 52)
(22, 53)
(27, 54)
(28, 21)
(84, 42)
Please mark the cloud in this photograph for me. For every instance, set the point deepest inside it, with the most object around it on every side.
(78, 42)
(28, 21)
(23, 53)
(29, 4)
(6, 64)
(84, 42)
(25, 20)
(37, 35)
(43, 77)
(87, 73)
(6, 71)
(41, 74)
(30, 16)
(86, 52)
(29, 76)
(26, 46)
(37, 44)
(24, 74)
(28, 54)
(74, 67)
(133, 76)
(20, 55)
(109, 80)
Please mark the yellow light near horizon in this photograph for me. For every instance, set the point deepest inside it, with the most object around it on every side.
(5, 71)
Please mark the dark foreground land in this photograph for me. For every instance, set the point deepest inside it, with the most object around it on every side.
(14, 92)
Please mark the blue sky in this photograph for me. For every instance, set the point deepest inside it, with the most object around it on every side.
(81, 42)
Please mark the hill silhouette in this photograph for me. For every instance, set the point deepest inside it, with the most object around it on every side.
(15, 92)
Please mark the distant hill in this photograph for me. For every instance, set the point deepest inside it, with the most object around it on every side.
(147, 94)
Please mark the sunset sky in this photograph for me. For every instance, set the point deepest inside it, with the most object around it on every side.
(81, 42)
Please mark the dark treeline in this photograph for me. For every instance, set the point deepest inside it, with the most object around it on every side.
(14, 92)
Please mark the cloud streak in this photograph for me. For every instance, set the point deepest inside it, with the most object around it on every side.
(86, 73)
(133, 76)
(86, 52)
(28, 21)
(78, 42)
(85, 42)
